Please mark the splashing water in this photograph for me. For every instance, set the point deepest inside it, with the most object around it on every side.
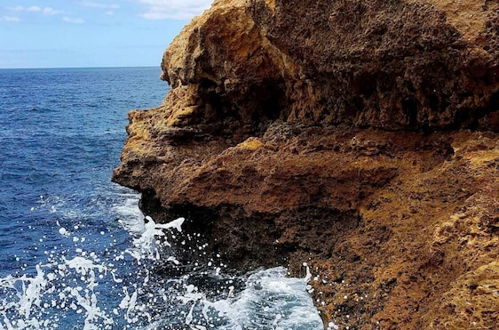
(75, 250)
(73, 289)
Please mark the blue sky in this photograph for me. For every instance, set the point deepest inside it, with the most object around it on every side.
(81, 33)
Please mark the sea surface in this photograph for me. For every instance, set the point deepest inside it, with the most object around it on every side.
(75, 250)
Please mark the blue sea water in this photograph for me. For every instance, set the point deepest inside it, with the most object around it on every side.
(75, 252)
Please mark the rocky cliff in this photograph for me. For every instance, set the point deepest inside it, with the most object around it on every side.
(357, 136)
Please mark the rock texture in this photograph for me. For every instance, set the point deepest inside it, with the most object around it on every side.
(357, 136)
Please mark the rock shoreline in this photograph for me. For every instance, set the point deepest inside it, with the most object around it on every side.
(359, 137)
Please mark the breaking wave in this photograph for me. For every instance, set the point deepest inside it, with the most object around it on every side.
(120, 288)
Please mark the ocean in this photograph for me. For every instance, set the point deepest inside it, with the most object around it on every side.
(75, 251)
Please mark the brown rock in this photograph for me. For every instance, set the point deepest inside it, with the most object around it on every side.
(356, 136)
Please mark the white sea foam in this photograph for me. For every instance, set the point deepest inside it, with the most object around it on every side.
(130, 216)
(147, 243)
(284, 302)
(68, 285)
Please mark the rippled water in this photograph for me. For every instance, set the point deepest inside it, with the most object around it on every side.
(75, 250)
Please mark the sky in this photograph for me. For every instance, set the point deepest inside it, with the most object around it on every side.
(88, 33)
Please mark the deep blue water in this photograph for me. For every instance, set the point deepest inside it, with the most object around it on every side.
(74, 249)
(60, 137)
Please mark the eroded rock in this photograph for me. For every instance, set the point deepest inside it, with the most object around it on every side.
(357, 136)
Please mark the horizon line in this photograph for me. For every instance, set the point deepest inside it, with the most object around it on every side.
(83, 67)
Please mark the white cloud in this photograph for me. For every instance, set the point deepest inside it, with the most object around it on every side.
(173, 9)
(100, 5)
(73, 20)
(51, 11)
(10, 19)
(37, 9)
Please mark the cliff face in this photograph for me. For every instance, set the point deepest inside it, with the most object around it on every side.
(357, 136)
